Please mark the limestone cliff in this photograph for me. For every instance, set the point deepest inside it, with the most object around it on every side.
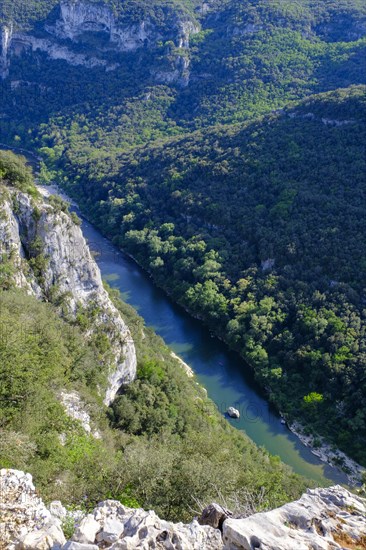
(52, 260)
(323, 519)
(6, 34)
(76, 18)
(60, 38)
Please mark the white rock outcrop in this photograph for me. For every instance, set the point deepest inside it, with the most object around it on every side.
(28, 524)
(178, 73)
(25, 522)
(69, 272)
(76, 409)
(6, 33)
(11, 246)
(22, 43)
(122, 528)
(79, 17)
(322, 519)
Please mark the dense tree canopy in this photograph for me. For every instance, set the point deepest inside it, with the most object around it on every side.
(257, 229)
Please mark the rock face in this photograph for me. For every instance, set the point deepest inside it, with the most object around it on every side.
(214, 515)
(12, 247)
(322, 519)
(76, 409)
(25, 43)
(28, 524)
(119, 528)
(6, 34)
(32, 228)
(77, 19)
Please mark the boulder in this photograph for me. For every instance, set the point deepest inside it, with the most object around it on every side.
(57, 510)
(214, 515)
(72, 545)
(233, 413)
(37, 540)
(87, 530)
(24, 517)
(50, 536)
(112, 530)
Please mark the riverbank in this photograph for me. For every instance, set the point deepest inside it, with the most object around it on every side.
(327, 453)
(188, 370)
(214, 366)
(327, 456)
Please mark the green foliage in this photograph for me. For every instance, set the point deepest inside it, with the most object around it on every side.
(40, 355)
(58, 204)
(14, 171)
(7, 272)
(68, 526)
(162, 424)
(203, 212)
(313, 398)
(182, 449)
(167, 444)
(254, 227)
(248, 58)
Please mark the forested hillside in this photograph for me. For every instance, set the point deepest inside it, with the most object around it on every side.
(239, 60)
(257, 230)
(225, 151)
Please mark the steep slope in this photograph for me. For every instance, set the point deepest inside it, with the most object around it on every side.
(44, 244)
(256, 229)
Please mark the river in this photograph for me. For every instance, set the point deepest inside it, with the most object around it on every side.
(226, 377)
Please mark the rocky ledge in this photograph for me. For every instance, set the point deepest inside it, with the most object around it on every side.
(322, 519)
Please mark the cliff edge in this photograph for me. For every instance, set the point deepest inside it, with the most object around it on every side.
(326, 519)
(52, 261)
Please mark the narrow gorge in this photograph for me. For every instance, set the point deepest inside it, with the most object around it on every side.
(182, 342)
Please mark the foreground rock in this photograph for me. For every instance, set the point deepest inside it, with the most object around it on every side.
(119, 528)
(322, 519)
(214, 515)
(27, 524)
(25, 521)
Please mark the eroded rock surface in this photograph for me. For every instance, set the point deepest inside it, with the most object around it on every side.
(25, 521)
(76, 20)
(322, 519)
